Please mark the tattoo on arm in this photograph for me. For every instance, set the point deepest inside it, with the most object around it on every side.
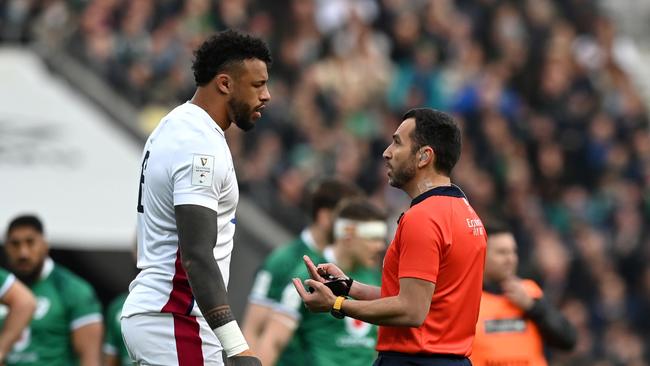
(219, 316)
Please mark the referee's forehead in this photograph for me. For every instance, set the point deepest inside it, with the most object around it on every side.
(405, 128)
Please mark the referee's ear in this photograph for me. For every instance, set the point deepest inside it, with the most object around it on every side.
(425, 156)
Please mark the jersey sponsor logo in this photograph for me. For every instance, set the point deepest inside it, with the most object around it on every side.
(357, 334)
(23, 342)
(202, 170)
(516, 325)
(476, 225)
(356, 327)
(42, 307)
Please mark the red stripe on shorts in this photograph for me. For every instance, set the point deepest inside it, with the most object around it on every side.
(180, 297)
(188, 340)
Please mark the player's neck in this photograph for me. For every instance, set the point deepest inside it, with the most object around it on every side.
(213, 105)
(344, 262)
(425, 183)
(319, 236)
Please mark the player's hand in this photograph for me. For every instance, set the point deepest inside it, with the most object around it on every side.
(320, 272)
(319, 301)
(246, 358)
(514, 290)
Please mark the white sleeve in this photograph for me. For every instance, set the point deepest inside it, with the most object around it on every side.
(291, 303)
(7, 284)
(196, 179)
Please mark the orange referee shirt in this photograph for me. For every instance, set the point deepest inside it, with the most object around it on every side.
(504, 337)
(439, 239)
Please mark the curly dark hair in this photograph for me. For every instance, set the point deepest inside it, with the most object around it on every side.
(438, 130)
(222, 50)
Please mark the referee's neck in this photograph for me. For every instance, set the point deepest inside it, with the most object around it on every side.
(428, 183)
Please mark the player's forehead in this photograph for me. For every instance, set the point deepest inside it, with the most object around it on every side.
(23, 232)
(254, 69)
(502, 242)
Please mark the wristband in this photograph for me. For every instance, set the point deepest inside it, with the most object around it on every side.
(336, 311)
(231, 338)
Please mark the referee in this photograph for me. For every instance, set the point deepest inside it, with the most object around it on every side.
(428, 302)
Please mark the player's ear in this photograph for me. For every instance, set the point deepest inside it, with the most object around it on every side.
(223, 84)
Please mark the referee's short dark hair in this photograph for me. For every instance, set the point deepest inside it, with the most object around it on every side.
(223, 50)
(438, 130)
(25, 221)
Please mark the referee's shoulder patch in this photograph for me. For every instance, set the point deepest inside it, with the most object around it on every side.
(202, 170)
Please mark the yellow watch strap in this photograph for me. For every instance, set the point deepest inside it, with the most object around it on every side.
(338, 303)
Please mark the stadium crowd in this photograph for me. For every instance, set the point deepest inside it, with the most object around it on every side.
(556, 134)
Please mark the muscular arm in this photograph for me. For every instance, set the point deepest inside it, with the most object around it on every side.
(554, 327)
(197, 235)
(276, 336)
(86, 341)
(255, 319)
(409, 308)
(361, 291)
(21, 305)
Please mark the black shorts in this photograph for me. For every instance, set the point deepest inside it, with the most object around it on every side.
(405, 359)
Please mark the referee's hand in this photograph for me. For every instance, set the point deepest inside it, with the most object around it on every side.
(319, 301)
(317, 273)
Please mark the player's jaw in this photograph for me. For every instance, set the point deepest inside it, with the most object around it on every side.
(27, 270)
(245, 115)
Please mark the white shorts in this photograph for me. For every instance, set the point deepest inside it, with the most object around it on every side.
(166, 339)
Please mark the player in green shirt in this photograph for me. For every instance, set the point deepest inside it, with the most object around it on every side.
(279, 265)
(18, 305)
(115, 353)
(360, 238)
(67, 326)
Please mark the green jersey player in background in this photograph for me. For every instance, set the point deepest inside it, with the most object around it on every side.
(278, 267)
(114, 349)
(18, 305)
(360, 238)
(67, 326)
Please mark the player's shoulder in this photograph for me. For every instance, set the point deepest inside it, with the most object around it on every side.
(68, 280)
(286, 254)
(185, 125)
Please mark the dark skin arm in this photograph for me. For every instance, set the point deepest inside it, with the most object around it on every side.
(197, 235)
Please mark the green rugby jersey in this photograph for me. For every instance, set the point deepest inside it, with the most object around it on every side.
(64, 302)
(113, 342)
(273, 277)
(328, 341)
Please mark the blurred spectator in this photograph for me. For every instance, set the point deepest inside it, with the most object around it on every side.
(556, 133)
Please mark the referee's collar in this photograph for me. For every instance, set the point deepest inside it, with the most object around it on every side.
(448, 191)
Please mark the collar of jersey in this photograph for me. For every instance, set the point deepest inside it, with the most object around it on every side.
(206, 118)
(447, 191)
(329, 256)
(308, 239)
(48, 266)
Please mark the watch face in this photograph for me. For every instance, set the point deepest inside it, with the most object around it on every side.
(337, 314)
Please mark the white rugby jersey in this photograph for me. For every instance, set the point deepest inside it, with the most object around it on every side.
(186, 160)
